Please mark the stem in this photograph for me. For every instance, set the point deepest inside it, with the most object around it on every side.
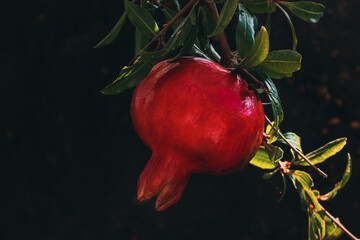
(229, 59)
(337, 222)
(297, 151)
(166, 27)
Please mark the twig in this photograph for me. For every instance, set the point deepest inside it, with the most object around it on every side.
(337, 222)
(166, 27)
(229, 59)
(297, 151)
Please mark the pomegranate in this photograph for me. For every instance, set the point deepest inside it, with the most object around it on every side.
(196, 117)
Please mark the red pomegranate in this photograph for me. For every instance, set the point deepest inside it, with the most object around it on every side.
(196, 117)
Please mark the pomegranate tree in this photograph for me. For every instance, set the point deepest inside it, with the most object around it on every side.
(201, 117)
(196, 117)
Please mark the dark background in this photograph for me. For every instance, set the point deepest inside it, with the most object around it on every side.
(70, 158)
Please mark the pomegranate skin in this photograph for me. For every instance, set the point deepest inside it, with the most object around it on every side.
(196, 117)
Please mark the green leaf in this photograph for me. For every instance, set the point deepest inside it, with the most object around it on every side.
(304, 176)
(307, 11)
(177, 38)
(188, 43)
(275, 153)
(293, 139)
(303, 182)
(330, 195)
(282, 61)
(275, 75)
(208, 20)
(245, 31)
(262, 159)
(333, 232)
(258, 51)
(318, 224)
(129, 77)
(226, 14)
(170, 14)
(141, 19)
(259, 6)
(321, 154)
(295, 41)
(113, 33)
(209, 24)
(140, 40)
(276, 107)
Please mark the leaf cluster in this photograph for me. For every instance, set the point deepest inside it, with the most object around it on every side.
(195, 32)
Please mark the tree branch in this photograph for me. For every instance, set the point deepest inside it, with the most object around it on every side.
(297, 151)
(337, 222)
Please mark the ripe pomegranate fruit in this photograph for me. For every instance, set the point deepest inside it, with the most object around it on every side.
(196, 117)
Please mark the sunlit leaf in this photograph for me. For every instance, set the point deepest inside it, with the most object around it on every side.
(245, 31)
(303, 182)
(226, 14)
(307, 11)
(304, 177)
(259, 6)
(258, 51)
(282, 61)
(318, 224)
(333, 231)
(113, 33)
(273, 74)
(321, 154)
(141, 19)
(129, 77)
(330, 195)
(262, 159)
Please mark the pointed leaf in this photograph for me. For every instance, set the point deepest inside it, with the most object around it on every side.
(245, 31)
(282, 61)
(262, 159)
(307, 11)
(226, 14)
(330, 195)
(321, 154)
(141, 19)
(129, 77)
(113, 33)
(258, 51)
(275, 104)
(259, 6)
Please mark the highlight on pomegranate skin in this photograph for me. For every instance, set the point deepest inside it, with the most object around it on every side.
(196, 117)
